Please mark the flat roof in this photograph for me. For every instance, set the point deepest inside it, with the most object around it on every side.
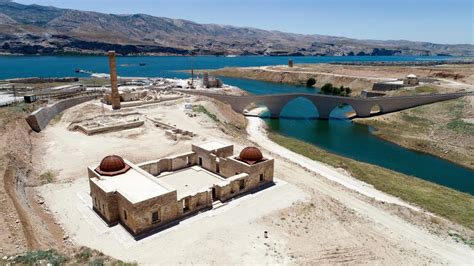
(190, 180)
(213, 145)
(133, 185)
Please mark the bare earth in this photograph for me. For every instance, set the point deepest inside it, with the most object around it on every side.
(314, 213)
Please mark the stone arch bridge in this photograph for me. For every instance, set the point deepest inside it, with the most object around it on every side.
(326, 103)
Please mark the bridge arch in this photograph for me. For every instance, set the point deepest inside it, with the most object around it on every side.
(299, 107)
(376, 109)
(343, 111)
(257, 108)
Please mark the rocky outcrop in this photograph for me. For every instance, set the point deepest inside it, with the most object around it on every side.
(34, 29)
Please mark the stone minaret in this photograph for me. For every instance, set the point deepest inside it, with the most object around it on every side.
(114, 96)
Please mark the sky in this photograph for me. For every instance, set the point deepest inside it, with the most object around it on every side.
(439, 21)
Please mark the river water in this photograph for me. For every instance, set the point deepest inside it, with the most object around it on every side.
(339, 136)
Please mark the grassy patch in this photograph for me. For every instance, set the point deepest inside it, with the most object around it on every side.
(416, 120)
(84, 255)
(440, 129)
(451, 204)
(459, 238)
(461, 126)
(426, 89)
(47, 177)
(201, 109)
(41, 257)
(415, 91)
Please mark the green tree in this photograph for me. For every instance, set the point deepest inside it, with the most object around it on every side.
(310, 82)
(327, 88)
(348, 91)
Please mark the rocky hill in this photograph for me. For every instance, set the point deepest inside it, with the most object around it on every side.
(34, 29)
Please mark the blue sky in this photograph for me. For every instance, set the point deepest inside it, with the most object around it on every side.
(440, 21)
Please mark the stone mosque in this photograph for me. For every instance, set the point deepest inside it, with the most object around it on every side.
(151, 196)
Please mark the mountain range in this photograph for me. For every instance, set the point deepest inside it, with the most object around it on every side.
(35, 29)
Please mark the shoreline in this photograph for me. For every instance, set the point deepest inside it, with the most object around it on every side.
(417, 194)
(258, 134)
(384, 138)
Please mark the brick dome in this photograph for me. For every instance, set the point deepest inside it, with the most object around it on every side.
(112, 165)
(251, 155)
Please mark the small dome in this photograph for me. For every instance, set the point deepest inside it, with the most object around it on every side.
(112, 165)
(251, 155)
(411, 76)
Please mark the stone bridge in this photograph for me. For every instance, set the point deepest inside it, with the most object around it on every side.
(326, 103)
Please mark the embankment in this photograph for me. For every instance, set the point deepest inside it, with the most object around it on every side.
(448, 203)
(24, 224)
(441, 129)
(357, 84)
(39, 119)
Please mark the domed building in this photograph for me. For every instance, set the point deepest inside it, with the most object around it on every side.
(152, 195)
(112, 165)
(251, 155)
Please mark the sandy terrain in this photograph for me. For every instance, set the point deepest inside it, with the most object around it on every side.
(452, 252)
(230, 233)
(315, 214)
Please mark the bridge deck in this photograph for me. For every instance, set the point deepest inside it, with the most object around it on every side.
(326, 103)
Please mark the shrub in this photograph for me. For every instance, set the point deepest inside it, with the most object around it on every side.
(35, 257)
(201, 109)
(328, 88)
(310, 82)
(84, 255)
(47, 177)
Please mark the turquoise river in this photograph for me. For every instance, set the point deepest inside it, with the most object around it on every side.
(339, 136)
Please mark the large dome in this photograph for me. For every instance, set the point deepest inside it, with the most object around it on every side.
(251, 155)
(112, 165)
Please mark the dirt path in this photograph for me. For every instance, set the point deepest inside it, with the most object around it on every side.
(269, 68)
(448, 250)
(10, 184)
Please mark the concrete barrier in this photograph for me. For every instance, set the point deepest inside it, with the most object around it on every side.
(39, 119)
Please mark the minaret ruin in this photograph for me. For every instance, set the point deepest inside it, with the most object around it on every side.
(114, 96)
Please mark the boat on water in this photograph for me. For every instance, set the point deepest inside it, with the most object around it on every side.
(231, 55)
(142, 64)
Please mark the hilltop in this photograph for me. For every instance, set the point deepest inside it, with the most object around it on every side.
(35, 29)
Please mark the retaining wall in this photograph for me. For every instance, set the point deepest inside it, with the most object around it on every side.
(39, 119)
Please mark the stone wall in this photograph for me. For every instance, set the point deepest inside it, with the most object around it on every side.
(380, 86)
(231, 187)
(139, 215)
(105, 204)
(174, 163)
(197, 202)
(104, 129)
(258, 174)
(39, 119)
(208, 160)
